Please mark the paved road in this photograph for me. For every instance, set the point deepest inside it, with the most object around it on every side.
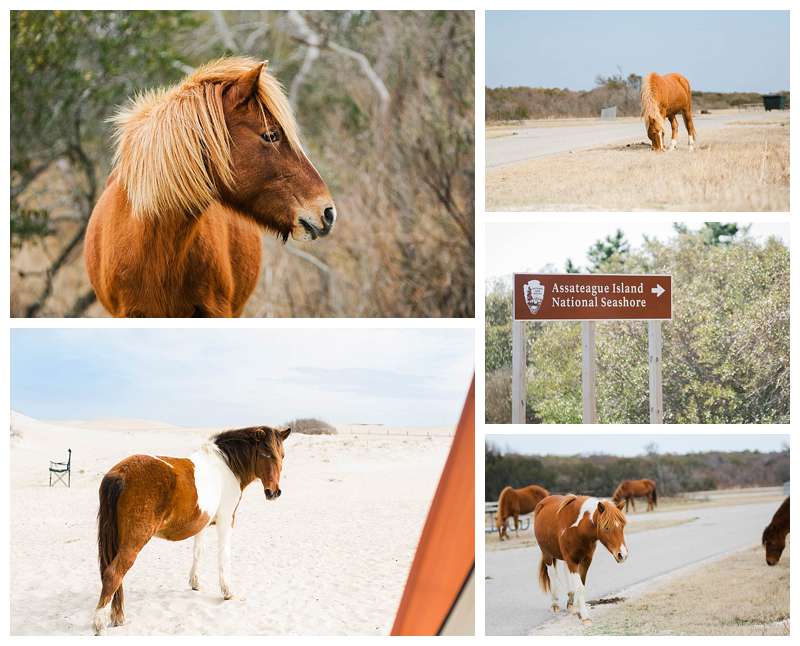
(515, 604)
(533, 142)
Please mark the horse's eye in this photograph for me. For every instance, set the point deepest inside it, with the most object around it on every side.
(273, 136)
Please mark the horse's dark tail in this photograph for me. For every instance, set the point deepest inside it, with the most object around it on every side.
(107, 530)
(544, 577)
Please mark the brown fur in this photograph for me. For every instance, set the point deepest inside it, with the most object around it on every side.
(774, 536)
(628, 490)
(514, 503)
(145, 496)
(664, 97)
(177, 230)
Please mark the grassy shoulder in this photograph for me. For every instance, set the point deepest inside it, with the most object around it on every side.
(740, 167)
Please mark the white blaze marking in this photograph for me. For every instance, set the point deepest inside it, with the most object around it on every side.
(588, 507)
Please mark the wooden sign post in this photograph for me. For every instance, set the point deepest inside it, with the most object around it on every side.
(589, 298)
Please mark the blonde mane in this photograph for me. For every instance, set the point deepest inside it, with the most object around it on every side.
(650, 108)
(172, 142)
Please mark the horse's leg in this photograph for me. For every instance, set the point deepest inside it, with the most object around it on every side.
(112, 587)
(689, 122)
(571, 607)
(224, 531)
(633, 503)
(552, 572)
(197, 554)
(516, 525)
(673, 122)
(577, 584)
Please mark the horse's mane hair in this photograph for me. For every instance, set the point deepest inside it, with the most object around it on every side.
(608, 518)
(240, 449)
(650, 109)
(172, 142)
(617, 490)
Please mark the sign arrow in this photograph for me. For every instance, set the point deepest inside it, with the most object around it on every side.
(657, 290)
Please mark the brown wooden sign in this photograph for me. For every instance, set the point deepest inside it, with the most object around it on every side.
(592, 297)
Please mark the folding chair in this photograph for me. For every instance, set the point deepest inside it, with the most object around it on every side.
(62, 470)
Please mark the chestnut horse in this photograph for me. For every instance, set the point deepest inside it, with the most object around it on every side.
(630, 489)
(200, 170)
(175, 498)
(774, 537)
(665, 97)
(567, 529)
(516, 502)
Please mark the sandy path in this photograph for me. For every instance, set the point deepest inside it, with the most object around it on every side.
(330, 557)
(515, 605)
(548, 139)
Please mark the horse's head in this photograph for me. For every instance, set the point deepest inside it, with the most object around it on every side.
(774, 542)
(655, 132)
(269, 460)
(273, 181)
(610, 523)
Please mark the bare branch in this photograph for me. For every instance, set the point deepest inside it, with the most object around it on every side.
(224, 32)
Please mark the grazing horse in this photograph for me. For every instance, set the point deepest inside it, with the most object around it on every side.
(774, 536)
(175, 498)
(630, 489)
(516, 502)
(567, 529)
(664, 97)
(200, 170)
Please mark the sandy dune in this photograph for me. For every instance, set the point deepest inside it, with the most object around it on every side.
(330, 557)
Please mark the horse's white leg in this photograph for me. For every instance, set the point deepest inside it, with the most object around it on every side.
(101, 619)
(580, 597)
(224, 532)
(197, 555)
(552, 572)
(571, 607)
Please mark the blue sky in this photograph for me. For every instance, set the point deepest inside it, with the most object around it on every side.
(236, 377)
(630, 445)
(724, 51)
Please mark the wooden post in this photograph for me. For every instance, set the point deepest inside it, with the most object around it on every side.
(519, 386)
(589, 373)
(654, 354)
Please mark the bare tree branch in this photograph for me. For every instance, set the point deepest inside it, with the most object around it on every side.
(224, 32)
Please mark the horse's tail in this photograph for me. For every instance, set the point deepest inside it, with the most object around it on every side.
(544, 577)
(107, 529)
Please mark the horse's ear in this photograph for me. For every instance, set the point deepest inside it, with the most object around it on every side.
(285, 433)
(246, 86)
(601, 507)
(620, 504)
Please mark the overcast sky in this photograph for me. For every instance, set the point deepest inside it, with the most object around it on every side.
(720, 51)
(237, 377)
(531, 247)
(630, 445)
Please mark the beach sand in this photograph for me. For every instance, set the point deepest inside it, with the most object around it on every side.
(329, 558)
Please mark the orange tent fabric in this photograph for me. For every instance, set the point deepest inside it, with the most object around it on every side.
(445, 556)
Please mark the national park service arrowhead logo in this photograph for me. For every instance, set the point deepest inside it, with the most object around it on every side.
(534, 295)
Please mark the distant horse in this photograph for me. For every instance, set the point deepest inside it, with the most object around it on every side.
(516, 502)
(774, 536)
(567, 529)
(200, 170)
(664, 97)
(630, 489)
(175, 498)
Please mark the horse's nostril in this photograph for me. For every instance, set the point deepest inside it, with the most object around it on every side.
(278, 493)
(329, 215)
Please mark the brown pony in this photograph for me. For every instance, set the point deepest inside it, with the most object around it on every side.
(774, 536)
(516, 502)
(567, 529)
(664, 97)
(630, 489)
(175, 498)
(200, 170)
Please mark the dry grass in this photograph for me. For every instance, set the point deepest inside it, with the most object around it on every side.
(739, 595)
(740, 167)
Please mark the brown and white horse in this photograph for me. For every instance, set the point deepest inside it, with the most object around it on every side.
(567, 529)
(514, 503)
(176, 498)
(665, 97)
(630, 489)
(200, 170)
(774, 537)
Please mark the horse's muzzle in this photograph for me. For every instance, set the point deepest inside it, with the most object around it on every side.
(317, 231)
(272, 495)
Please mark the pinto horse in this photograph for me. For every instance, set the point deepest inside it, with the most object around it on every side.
(567, 529)
(630, 489)
(200, 170)
(665, 97)
(175, 498)
(774, 537)
(516, 502)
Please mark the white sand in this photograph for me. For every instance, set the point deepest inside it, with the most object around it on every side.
(330, 557)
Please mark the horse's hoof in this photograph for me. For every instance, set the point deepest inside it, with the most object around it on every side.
(555, 608)
(117, 621)
(586, 621)
(194, 582)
